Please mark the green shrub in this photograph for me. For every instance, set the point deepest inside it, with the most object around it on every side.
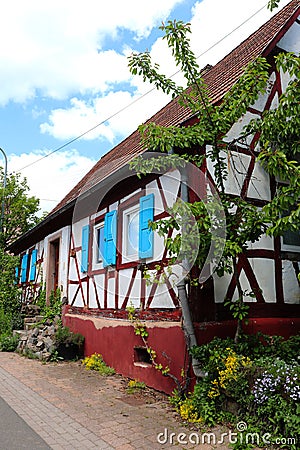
(8, 342)
(5, 322)
(64, 336)
(53, 308)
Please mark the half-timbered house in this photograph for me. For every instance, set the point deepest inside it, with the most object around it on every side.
(95, 243)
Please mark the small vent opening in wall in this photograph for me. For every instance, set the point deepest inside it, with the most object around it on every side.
(141, 356)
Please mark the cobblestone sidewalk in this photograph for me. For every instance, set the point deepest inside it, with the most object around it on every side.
(72, 408)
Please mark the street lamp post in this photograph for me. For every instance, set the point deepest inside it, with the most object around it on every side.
(4, 186)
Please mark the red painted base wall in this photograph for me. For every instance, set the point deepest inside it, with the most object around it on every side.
(115, 340)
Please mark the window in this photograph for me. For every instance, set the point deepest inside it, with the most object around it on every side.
(137, 237)
(130, 233)
(98, 244)
(135, 240)
(290, 240)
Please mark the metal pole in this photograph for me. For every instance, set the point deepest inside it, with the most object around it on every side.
(4, 187)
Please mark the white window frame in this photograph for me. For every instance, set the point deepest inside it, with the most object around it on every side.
(97, 263)
(134, 209)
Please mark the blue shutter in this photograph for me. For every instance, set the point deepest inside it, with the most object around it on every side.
(110, 239)
(145, 233)
(85, 248)
(33, 265)
(16, 275)
(24, 268)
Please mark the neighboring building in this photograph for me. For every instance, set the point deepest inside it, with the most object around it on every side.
(96, 242)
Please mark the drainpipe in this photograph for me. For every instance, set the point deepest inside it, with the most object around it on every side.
(188, 326)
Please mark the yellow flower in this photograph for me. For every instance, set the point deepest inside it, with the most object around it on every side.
(188, 412)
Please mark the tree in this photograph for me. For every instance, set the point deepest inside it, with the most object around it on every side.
(279, 142)
(20, 214)
(20, 209)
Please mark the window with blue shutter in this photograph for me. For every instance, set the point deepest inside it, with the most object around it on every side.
(24, 268)
(33, 265)
(145, 233)
(85, 248)
(110, 239)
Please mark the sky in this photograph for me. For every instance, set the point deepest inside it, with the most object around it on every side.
(64, 74)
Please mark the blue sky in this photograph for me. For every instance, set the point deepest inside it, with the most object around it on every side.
(64, 70)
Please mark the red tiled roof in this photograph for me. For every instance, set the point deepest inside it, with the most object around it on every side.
(219, 80)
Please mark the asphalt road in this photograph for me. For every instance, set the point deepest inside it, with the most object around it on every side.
(15, 434)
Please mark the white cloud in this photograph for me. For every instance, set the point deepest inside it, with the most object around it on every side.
(56, 47)
(52, 177)
(120, 111)
(212, 20)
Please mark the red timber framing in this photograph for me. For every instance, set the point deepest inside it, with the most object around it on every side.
(86, 284)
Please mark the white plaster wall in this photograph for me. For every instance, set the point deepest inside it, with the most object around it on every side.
(125, 276)
(77, 230)
(158, 243)
(275, 102)
(291, 287)
(246, 288)
(285, 79)
(260, 103)
(265, 242)
(170, 183)
(77, 237)
(135, 295)
(221, 286)
(237, 128)
(113, 206)
(79, 299)
(259, 186)
(237, 166)
(111, 293)
(99, 282)
(291, 40)
(72, 270)
(264, 271)
(152, 188)
(162, 298)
